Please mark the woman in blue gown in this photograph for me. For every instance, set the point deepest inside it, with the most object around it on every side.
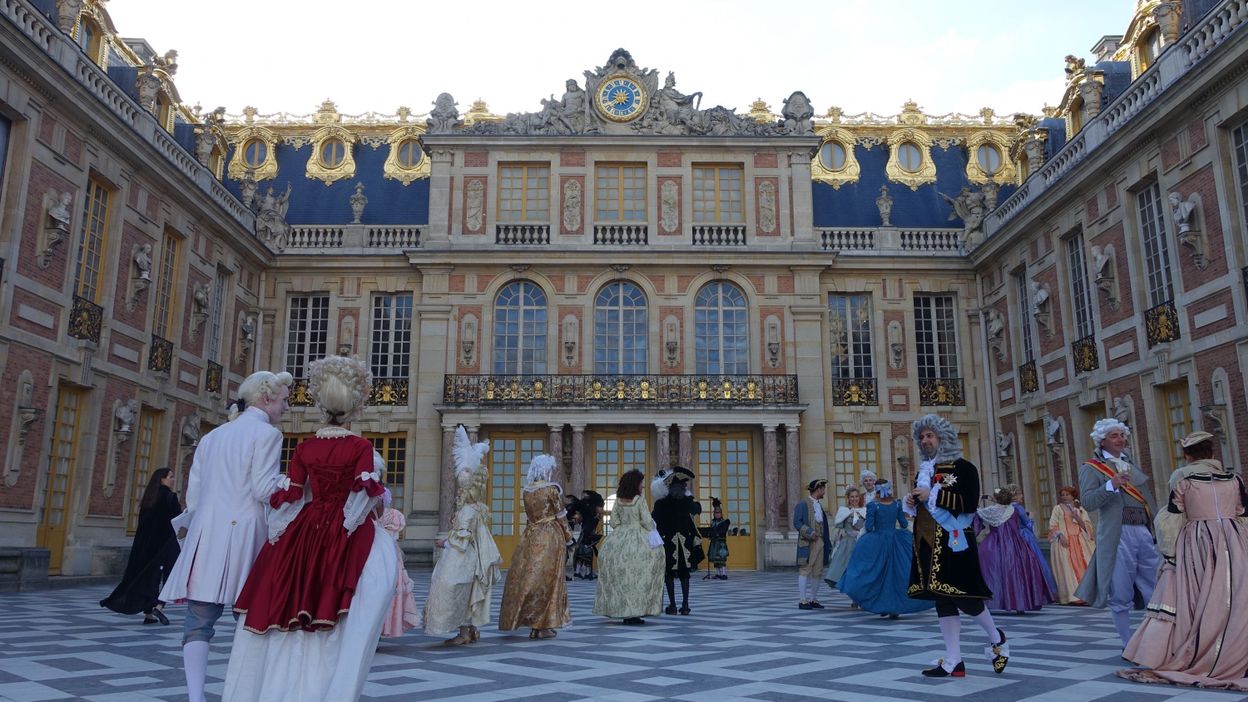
(1029, 535)
(879, 569)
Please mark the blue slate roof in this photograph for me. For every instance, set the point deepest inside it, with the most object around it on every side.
(1117, 79)
(853, 204)
(1057, 135)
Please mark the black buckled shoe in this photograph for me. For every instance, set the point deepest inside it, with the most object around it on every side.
(940, 671)
(998, 653)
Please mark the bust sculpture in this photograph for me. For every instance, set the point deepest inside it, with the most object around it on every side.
(58, 212)
(143, 262)
(1182, 211)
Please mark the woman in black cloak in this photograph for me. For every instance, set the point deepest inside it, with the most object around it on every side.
(153, 553)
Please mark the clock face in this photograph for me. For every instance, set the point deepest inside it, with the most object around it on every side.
(620, 99)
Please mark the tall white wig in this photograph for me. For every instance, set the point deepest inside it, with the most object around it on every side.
(1101, 429)
(949, 449)
(259, 385)
(339, 386)
(541, 468)
(868, 473)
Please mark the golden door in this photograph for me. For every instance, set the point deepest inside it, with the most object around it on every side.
(723, 468)
(509, 457)
(54, 525)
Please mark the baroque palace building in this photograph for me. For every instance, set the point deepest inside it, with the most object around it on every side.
(623, 278)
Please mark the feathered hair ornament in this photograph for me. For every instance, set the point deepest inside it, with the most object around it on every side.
(468, 456)
(658, 486)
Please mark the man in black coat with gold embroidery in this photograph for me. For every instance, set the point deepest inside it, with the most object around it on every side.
(946, 563)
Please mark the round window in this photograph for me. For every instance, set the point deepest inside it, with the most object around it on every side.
(332, 153)
(409, 153)
(989, 158)
(909, 156)
(832, 156)
(255, 152)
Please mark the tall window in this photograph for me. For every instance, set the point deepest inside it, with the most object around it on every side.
(717, 194)
(91, 249)
(524, 193)
(1239, 137)
(166, 277)
(620, 342)
(614, 456)
(393, 450)
(217, 314)
(851, 454)
(1156, 248)
(509, 459)
(723, 468)
(141, 472)
(1178, 419)
(935, 335)
(849, 323)
(289, 442)
(307, 334)
(620, 193)
(721, 330)
(391, 351)
(520, 330)
(1024, 315)
(1079, 283)
(1042, 471)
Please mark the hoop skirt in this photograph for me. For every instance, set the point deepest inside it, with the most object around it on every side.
(1011, 568)
(878, 573)
(630, 573)
(535, 594)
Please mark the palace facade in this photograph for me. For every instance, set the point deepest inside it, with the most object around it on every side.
(622, 278)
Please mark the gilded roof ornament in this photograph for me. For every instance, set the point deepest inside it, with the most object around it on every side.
(761, 111)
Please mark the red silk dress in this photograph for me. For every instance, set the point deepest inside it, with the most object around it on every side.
(306, 580)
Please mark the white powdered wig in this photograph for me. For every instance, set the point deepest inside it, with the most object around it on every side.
(470, 473)
(541, 468)
(339, 386)
(1101, 429)
(259, 385)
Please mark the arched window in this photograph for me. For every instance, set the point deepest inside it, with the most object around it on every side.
(620, 341)
(520, 330)
(255, 153)
(989, 158)
(721, 336)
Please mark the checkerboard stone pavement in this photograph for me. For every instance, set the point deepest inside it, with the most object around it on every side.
(745, 640)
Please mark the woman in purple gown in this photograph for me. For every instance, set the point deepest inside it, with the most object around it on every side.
(1010, 566)
(1029, 534)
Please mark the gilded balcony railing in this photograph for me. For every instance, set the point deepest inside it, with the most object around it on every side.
(851, 392)
(213, 377)
(620, 390)
(941, 392)
(85, 320)
(1161, 323)
(1028, 379)
(388, 391)
(160, 357)
(1084, 352)
(299, 395)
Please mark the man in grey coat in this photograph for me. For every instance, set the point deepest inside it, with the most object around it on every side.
(813, 545)
(1126, 560)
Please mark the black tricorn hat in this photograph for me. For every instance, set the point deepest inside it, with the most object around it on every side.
(815, 484)
(679, 473)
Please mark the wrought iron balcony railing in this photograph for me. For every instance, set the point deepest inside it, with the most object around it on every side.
(213, 378)
(388, 391)
(1028, 379)
(941, 392)
(620, 390)
(851, 392)
(86, 319)
(1084, 351)
(160, 357)
(299, 395)
(1161, 323)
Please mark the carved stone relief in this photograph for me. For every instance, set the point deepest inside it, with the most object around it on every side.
(1040, 307)
(24, 415)
(671, 342)
(56, 229)
(896, 346)
(766, 207)
(773, 341)
(571, 337)
(669, 206)
(468, 341)
(346, 336)
(1124, 410)
(474, 206)
(190, 431)
(572, 206)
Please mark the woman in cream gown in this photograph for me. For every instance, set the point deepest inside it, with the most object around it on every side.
(535, 594)
(630, 572)
(1070, 533)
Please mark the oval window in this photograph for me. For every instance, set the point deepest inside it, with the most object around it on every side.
(409, 153)
(332, 153)
(909, 156)
(989, 158)
(832, 156)
(255, 152)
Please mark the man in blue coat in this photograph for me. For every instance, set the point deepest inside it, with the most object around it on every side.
(813, 545)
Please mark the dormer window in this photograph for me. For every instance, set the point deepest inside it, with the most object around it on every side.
(832, 156)
(409, 153)
(989, 158)
(89, 39)
(1149, 48)
(333, 151)
(255, 153)
(909, 157)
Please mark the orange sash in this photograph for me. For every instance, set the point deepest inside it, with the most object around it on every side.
(1108, 471)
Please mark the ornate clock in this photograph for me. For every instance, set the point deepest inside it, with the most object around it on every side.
(620, 99)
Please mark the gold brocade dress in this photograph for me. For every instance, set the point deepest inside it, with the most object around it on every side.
(535, 594)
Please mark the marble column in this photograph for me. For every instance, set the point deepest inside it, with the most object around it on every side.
(447, 487)
(771, 480)
(685, 457)
(472, 434)
(577, 479)
(555, 448)
(792, 471)
(663, 454)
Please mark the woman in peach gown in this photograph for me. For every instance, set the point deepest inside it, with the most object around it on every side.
(1070, 536)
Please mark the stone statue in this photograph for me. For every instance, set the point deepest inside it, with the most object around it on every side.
(147, 84)
(168, 63)
(200, 299)
(143, 262)
(247, 188)
(190, 431)
(474, 217)
(995, 326)
(1005, 445)
(1101, 258)
(884, 203)
(358, 201)
(1091, 91)
(1123, 409)
(246, 336)
(206, 137)
(125, 414)
(990, 191)
(271, 224)
(969, 207)
(568, 115)
(58, 212)
(675, 108)
(1039, 298)
(1182, 212)
(1074, 66)
(1052, 432)
(444, 117)
(798, 114)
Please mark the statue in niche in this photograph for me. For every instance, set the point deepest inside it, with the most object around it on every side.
(206, 138)
(767, 206)
(969, 207)
(1182, 212)
(358, 201)
(884, 203)
(143, 262)
(444, 117)
(798, 114)
(125, 415)
(572, 206)
(346, 336)
(995, 326)
(676, 110)
(58, 213)
(669, 201)
(568, 115)
(247, 188)
(896, 347)
(246, 336)
(271, 224)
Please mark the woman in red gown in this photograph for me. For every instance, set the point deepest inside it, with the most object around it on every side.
(312, 608)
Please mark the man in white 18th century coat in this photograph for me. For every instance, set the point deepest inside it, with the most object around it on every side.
(235, 469)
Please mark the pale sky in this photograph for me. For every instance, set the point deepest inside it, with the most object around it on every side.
(861, 55)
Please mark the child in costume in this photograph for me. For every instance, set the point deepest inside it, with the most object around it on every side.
(718, 553)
